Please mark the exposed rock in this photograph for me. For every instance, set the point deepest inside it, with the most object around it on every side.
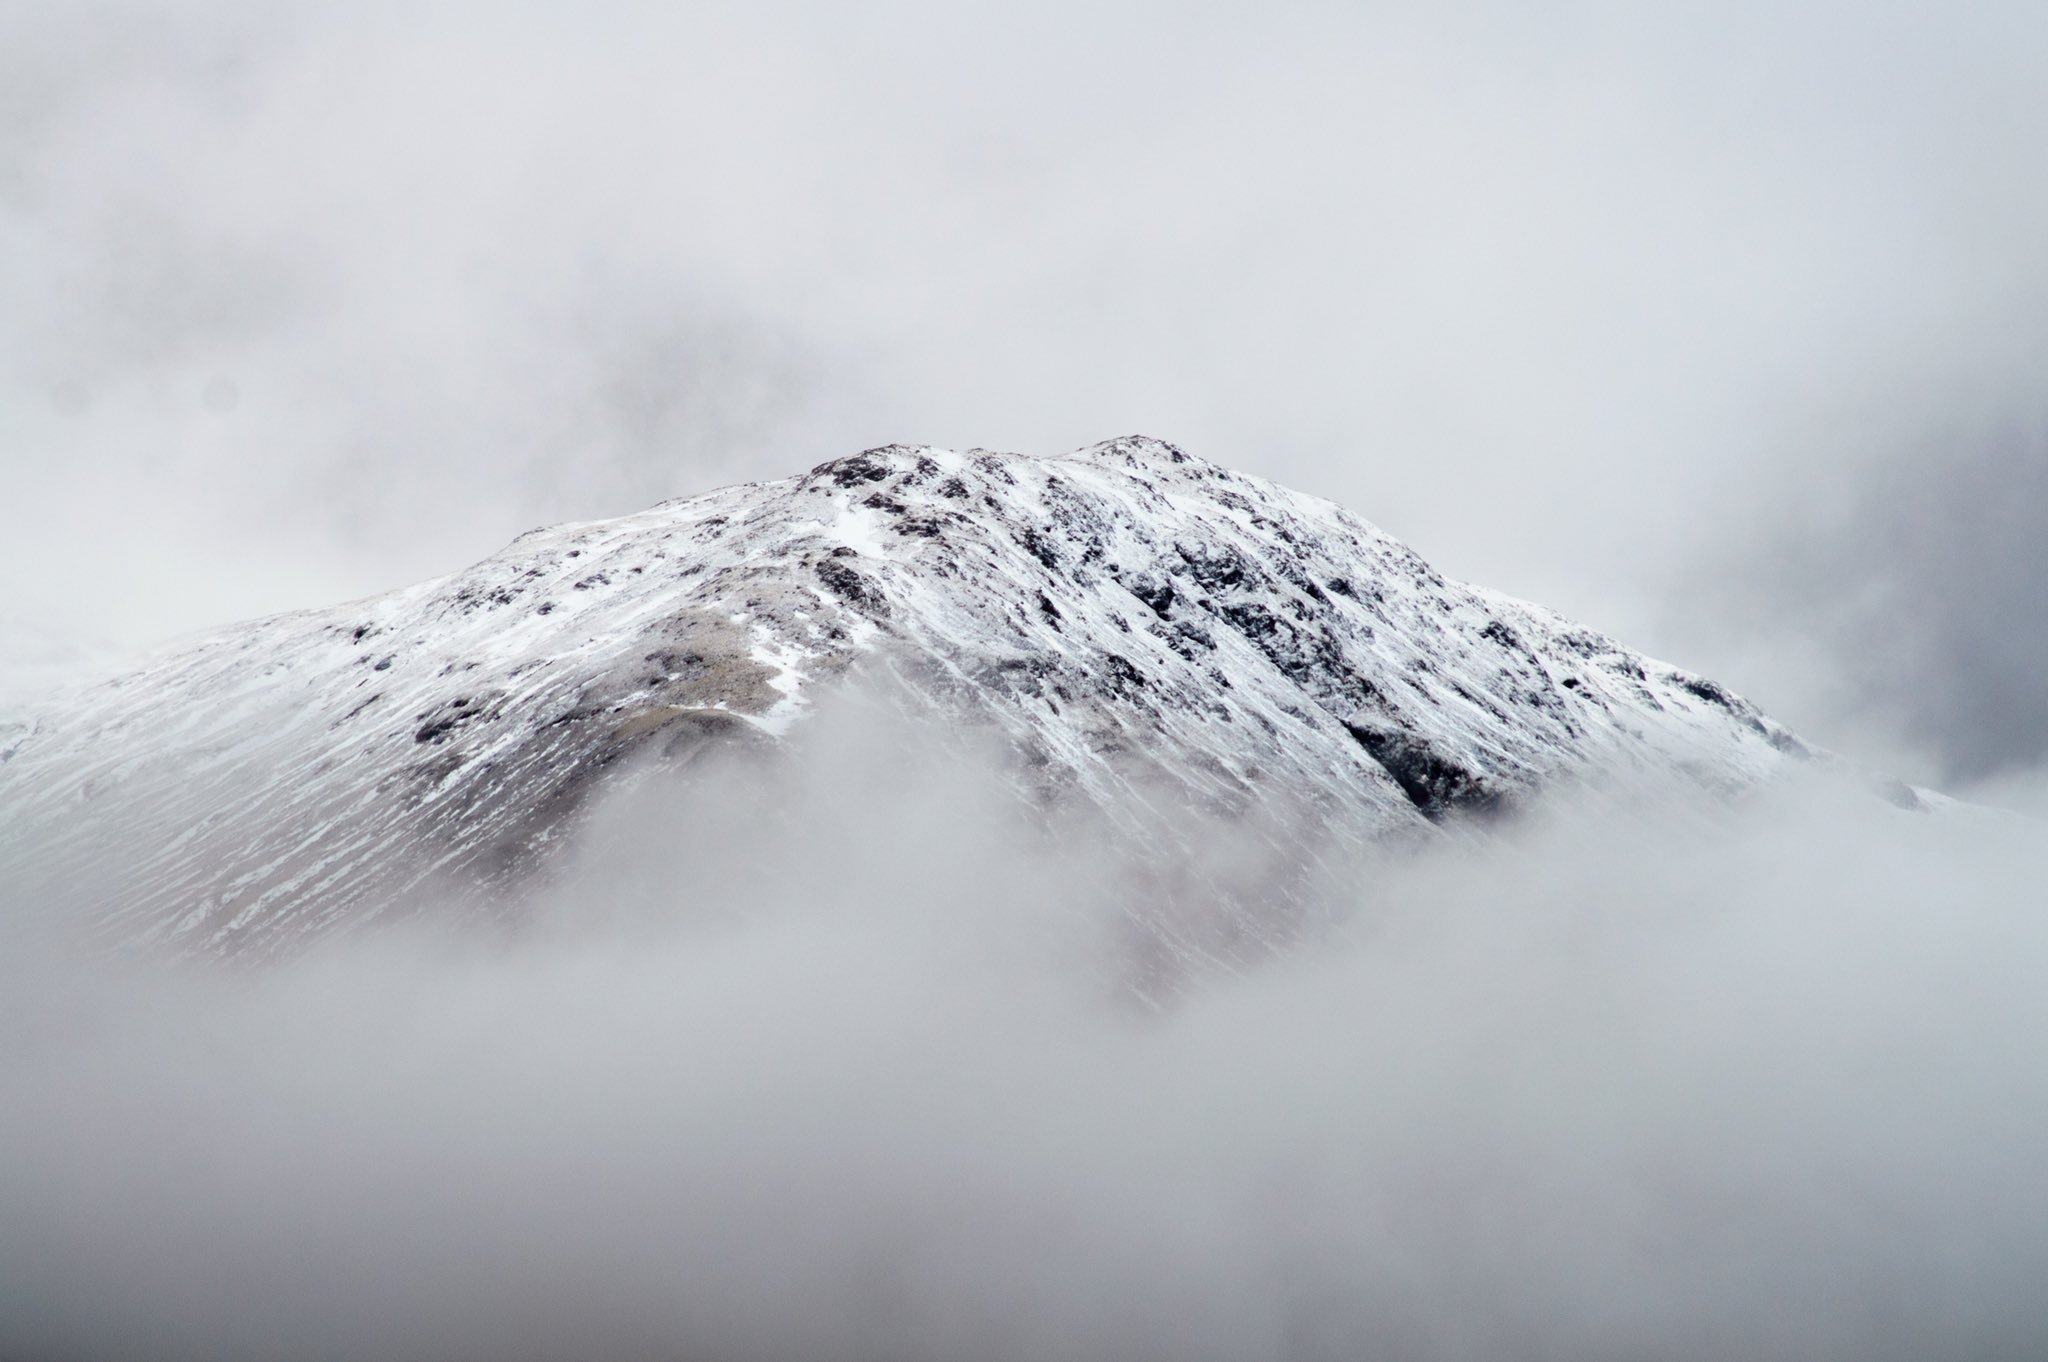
(1126, 616)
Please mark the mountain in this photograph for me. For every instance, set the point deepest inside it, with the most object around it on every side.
(1139, 628)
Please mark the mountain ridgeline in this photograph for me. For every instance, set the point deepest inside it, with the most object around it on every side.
(1134, 628)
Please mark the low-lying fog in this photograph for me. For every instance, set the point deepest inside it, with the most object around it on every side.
(848, 1064)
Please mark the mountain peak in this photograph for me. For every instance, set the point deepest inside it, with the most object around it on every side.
(1127, 619)
(1142, 453)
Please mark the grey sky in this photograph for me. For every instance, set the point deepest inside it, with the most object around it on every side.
(305, 303)
(1908, 605)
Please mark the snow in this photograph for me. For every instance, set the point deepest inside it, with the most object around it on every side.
(1139, 625)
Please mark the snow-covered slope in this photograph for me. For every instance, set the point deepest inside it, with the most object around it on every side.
(1139, 626)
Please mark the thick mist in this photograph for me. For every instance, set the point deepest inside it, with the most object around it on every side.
(1925, 584)
(847, 1061)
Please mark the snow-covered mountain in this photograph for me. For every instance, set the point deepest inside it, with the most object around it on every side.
(1135, 624)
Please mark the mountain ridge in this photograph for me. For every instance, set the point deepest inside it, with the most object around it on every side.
(1128, 618)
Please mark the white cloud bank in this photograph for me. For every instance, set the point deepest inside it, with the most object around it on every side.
(817, 1071)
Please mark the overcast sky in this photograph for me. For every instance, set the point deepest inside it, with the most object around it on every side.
(1719, 325)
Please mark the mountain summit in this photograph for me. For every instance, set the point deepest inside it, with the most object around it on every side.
(1136, 625)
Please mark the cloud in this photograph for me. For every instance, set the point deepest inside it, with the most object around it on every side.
(1901, 607)
(1938, 578)
(847, 1065)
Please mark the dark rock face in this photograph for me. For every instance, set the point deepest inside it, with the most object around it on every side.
(1141, 628)
(1435, 785)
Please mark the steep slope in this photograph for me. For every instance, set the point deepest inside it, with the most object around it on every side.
(1142, 629)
